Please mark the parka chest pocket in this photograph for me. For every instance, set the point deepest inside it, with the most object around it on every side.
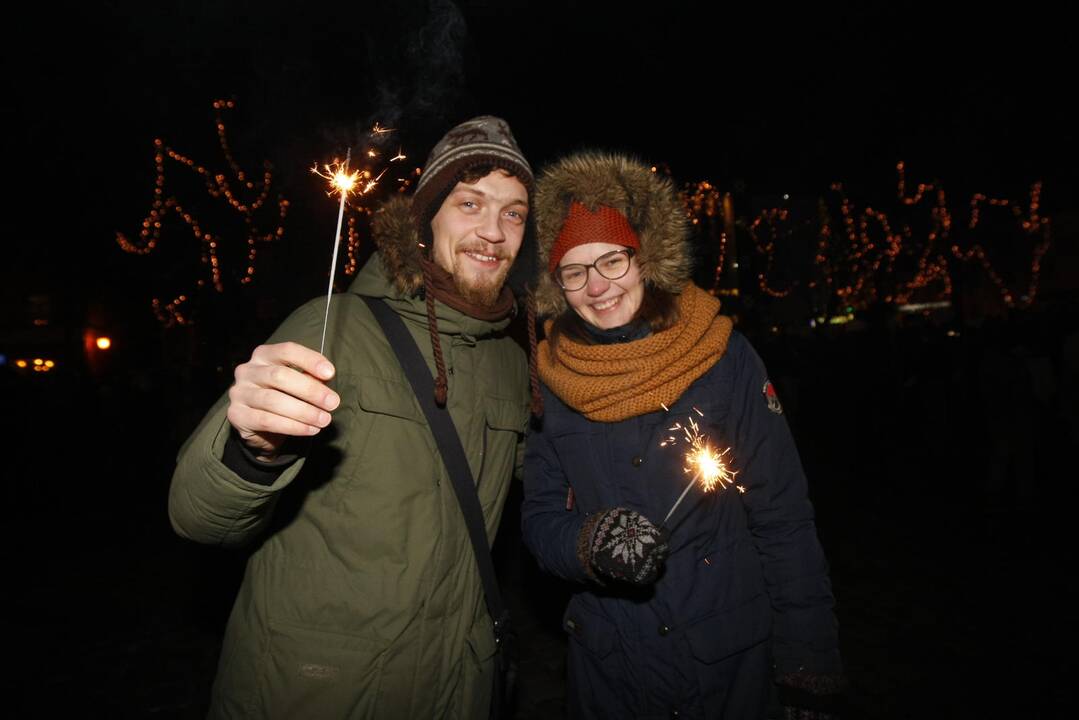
(387, 441)
(504, 424)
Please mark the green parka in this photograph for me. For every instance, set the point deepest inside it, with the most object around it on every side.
(361, 598)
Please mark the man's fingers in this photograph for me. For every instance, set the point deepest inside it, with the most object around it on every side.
(281, 391)
(287, 406)
(295, 356)
(252, 420)
(286, 380)
(302, 386)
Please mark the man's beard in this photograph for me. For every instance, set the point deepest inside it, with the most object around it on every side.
(483, 295)
(482, 289)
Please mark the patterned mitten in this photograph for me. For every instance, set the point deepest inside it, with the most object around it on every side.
(622, 544)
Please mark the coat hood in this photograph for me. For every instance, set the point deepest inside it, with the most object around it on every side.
(648, 201)
(397, 237)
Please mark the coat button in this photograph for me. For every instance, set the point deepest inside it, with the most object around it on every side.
(637, 460)
(663, 630)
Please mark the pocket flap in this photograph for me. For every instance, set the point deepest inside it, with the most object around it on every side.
(505, 414)
(388, 397)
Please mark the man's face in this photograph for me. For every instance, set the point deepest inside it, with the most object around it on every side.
(477, 233)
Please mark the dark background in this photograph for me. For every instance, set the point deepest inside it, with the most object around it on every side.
(938, 446)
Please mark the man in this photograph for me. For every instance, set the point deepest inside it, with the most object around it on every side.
(362, 596)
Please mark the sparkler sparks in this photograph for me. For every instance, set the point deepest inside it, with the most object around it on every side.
(341, 180)
(708, 465)
(706, 462)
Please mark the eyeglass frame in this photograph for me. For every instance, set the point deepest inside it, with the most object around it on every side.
(628, 252)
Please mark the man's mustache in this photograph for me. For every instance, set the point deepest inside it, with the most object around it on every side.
(491, 251)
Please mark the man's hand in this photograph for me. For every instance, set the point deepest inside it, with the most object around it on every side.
(281, 392)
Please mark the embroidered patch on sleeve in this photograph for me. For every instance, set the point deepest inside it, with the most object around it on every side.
(773, 399)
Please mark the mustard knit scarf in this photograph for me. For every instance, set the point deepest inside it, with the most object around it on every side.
(608, 383)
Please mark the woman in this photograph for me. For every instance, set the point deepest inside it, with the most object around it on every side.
(693, 618)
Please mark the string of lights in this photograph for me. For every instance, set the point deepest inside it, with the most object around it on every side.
(218, 186)
(863, 258)
(866, 256)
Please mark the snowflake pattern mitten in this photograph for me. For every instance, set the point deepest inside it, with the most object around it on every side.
(622, 544)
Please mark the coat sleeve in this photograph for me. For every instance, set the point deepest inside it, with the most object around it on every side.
(781, 520)
(210, 503)
(549, 530)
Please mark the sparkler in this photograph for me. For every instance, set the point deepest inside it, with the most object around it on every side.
(347, 183)
(344, 182)
(705, 462)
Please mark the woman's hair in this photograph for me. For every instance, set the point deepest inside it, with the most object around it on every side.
(659, 309)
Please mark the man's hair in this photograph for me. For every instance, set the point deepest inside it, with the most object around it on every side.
(475, 173)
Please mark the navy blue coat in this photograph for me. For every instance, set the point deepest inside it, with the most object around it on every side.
(744, 568)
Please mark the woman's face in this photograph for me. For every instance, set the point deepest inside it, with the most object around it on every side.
(604, 303)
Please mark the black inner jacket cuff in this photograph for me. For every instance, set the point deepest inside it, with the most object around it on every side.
(241, 460)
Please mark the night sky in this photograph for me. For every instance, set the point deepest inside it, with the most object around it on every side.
(753, 98)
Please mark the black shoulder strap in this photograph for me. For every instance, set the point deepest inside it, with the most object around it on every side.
(449, 446)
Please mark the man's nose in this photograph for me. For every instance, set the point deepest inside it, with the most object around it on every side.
(490, 228)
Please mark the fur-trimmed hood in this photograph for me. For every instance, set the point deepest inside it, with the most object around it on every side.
(648, 200)
(397, 237)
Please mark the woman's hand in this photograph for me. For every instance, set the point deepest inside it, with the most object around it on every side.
(622, 544)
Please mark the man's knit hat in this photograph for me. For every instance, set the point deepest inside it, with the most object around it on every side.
(483, 140)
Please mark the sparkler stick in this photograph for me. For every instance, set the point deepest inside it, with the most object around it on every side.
(340, 179)
(679, 500)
